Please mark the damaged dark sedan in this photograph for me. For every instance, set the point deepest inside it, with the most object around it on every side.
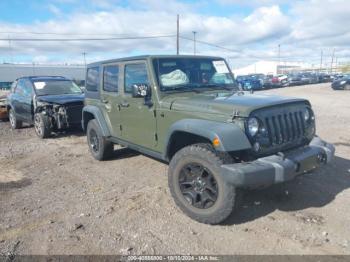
(51, 103)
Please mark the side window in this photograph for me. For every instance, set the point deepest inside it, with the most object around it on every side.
(92, 79)
(20, 87)
(135, 74)
(27, 88)
(110, 78)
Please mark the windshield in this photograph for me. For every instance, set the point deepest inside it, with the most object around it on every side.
(192, 73)
(56, 87)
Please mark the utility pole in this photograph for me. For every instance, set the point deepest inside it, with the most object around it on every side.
(178, 35)
(321, 61)
(84, 55)
(10, 49)
(336, 64)
(332, 61)
(279, 57)
(194, 42)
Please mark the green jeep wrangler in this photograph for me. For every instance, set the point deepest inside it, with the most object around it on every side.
(187, 111)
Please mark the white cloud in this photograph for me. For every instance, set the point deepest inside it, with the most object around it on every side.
(253, 3)
(54, 10)
(304, 30)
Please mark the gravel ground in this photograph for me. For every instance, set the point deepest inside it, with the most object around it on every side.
(55, 199)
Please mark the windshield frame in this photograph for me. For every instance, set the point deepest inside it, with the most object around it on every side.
(55, 80)
(192, 87)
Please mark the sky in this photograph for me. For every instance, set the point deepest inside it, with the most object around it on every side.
(240, 31)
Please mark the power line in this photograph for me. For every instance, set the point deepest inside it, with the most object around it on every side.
(211, 44)
(84, 39)
(53, 33)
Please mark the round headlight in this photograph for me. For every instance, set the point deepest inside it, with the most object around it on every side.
(253, 126)
(307, 115)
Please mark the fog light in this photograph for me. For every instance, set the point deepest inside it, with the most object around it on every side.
(256, 147)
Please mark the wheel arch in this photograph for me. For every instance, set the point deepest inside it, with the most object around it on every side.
(190, 131)
(92, 112)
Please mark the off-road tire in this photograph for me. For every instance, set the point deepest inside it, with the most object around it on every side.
(205, 155)
(42, 125)
(15, 124)
(103, 149)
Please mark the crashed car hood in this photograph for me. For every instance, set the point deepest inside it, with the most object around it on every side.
(226, 105)
(62, 99)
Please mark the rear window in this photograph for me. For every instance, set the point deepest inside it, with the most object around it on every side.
(92, 79)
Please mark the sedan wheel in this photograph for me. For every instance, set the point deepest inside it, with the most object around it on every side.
(15, 124)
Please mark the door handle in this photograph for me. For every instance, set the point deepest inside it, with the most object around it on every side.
(124, 104)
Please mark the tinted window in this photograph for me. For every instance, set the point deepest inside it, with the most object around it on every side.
(92, 79)
(110, 78)
(135, 74)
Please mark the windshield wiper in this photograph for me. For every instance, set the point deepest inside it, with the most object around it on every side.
(186, 88)
(220, 86)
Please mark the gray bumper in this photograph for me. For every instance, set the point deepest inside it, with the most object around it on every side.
(279, 168)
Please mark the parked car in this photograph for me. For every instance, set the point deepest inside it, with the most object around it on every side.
(49, 102)
(186, 111)
(260, 77)
(248, 82)
(342, 84)
(279, 81)
(335, 77)
(267, 81)
(324, 78)
(295, 79)
(309, 78)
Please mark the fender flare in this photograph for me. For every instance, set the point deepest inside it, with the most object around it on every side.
(231, 136)
(96, 112)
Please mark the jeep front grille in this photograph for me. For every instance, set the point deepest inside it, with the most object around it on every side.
(284, 128)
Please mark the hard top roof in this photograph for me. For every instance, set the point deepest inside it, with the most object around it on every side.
(145, 57)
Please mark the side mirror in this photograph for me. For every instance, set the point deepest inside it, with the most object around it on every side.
(141, 90)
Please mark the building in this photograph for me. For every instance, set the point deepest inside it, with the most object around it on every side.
(10, 72)
(269, 68)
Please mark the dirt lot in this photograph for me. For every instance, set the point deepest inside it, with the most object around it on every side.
(55, 199)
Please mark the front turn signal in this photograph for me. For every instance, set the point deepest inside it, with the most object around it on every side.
(216, 142)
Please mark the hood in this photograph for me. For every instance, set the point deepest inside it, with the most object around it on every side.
(338, 81)
(244, 104)
(62, 99)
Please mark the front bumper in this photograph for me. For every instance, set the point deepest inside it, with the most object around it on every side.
(279, 168)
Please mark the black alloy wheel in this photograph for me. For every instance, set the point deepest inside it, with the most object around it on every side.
(198, 186)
